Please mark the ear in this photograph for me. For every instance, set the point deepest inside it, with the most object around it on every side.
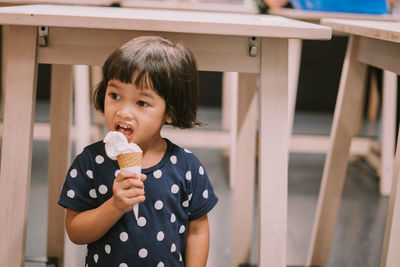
(168, 119)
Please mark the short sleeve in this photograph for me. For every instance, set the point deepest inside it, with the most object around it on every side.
(202, 198)
(78, 192)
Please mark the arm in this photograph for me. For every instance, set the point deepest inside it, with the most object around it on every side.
(276, 3)
(88, 226)
(197, 243)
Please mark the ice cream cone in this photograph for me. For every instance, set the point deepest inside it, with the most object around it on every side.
(131, 162)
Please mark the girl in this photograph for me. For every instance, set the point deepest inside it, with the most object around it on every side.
(147, 82)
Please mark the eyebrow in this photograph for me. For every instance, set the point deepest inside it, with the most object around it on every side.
(113, 85)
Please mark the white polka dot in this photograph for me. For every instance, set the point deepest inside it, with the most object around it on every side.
(157, 174)
(123, 236)
(158, 205)
(173, 248)
(99, 159)
(103, 189)
(173, 218)
(141, 221)
(173, 159)
(107, 249)
(180, 257)
(143, 253)
(188, 175)
(182, 229)
(117, 172)
(71, 194)
(161, 264)
(160, 236)
(96, 258)
(201, 170)
(123, 265)
(205, 193)
(187, 150)
(89, 173)
(174, 189)
(73, 173)
(92, 193)
(190, 197)
(185, 203)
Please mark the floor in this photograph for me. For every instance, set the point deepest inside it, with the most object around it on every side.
(358, 236)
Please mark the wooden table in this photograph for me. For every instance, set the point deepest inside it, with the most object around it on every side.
(360, 146)
(373, 43)
(220, 42)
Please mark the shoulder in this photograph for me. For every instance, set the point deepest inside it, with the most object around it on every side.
(183, 154)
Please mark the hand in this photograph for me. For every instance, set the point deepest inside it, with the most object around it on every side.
(128, 190)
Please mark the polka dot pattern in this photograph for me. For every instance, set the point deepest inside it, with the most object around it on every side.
(173, 218)
(158, 205)
(160, 236)
(174, 189)
(92, 193)
(70, 193)
(123, 236)
(143, 253)
(89, 174)
(157, 174)
(179, 186)
(205, 193)
(99, 159)
(141, 221)
(73, 173)
(107, 249)
(173, 159)
(201, 170)
(103, 189)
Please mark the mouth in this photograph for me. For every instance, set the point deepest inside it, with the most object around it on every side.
(125, 128)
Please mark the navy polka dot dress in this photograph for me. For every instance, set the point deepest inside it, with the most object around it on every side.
(177, 191)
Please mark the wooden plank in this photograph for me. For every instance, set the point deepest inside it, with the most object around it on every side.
(389, 111)
(242, 168)
(88, 47)
(333, 178)
(273, 149)
(209, 6)
(382, 30)
(59, 156)
(391, 241)
(387, 58)
(163, 21)
(17, 143)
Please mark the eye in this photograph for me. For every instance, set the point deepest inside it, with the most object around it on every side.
(142, 103)
(115, 96)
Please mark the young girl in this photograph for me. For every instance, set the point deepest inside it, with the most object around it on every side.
(147, 83)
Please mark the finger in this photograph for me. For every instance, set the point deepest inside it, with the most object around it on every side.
(143, 177)
(129, 183)
(126, 175)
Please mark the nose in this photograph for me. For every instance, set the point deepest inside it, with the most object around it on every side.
(126, 112)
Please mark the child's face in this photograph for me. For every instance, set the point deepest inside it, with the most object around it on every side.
(137, 113)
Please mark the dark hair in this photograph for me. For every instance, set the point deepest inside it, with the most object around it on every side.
(154, 61)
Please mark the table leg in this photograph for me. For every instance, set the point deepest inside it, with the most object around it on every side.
(243, 155)
(391, 242)
(59, 156)
(389, 103)
(16, 156)
(273, 153)
(229, 117)
(344, 121)
(293, 72)
(82, 107)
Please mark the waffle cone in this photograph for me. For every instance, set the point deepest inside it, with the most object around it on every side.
(130, 159)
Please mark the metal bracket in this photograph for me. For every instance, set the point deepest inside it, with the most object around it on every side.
(43, 35)
(253, 46)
